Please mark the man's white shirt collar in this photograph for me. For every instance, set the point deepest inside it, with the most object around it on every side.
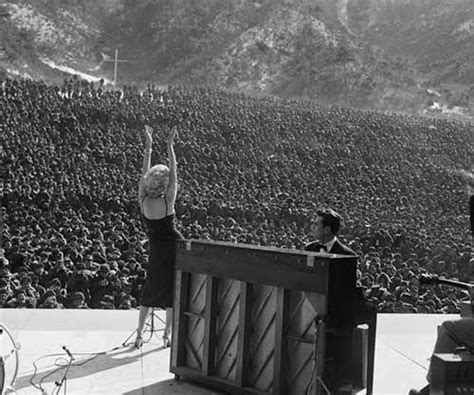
(330, 243)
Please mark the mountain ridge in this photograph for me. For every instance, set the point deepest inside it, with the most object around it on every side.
(359, 53)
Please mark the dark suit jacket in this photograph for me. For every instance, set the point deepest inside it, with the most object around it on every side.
(361, 310)
(337, 248)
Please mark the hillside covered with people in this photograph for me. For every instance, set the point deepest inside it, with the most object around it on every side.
(251, 169)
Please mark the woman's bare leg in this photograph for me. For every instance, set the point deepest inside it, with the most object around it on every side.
(142, 316)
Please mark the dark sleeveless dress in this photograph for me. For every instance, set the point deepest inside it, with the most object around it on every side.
(159, 285)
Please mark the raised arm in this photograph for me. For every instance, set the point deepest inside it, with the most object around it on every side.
(173, 181)
(468, 177)
(146, 162)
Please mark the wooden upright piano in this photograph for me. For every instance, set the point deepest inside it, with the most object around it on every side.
(262, 320)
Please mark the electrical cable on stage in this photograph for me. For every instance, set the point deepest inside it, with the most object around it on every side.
(62, 363)
(14, 351)
(409, 358)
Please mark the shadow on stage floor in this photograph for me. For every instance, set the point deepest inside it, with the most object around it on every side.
(84, 365)
(174, 387)
(103, 365)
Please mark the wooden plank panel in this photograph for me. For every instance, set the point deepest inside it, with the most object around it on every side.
(204, 244)
(227, 329)
(244, 335)
(281, 326)
(303, 308)
(262, 340)
(210, 327)
(300, 345)
(319, 355)
(289, 275)
(299, 369)
(197, 293)
(179, 320)
(194, 343)
(194, 340)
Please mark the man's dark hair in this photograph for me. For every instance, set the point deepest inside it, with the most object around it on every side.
(331, 219)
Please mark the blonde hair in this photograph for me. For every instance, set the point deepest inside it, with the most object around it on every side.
(157, 170)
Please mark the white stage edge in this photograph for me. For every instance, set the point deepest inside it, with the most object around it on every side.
(403, 347)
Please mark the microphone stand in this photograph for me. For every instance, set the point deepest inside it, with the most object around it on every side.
(434, 279)
(59, 384)
(149, 323)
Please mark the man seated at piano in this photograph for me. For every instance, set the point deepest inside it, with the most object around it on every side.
(324, 229)
(457, 334)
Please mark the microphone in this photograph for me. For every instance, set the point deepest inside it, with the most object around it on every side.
(68, 352)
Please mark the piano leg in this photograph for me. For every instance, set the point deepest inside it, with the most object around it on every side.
(338, 367)
(371, 354)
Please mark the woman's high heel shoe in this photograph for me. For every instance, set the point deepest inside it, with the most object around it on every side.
(166, 341)
(138, 342)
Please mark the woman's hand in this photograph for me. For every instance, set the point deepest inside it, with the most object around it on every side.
(148, 136)
(468, 178)
(173, 134)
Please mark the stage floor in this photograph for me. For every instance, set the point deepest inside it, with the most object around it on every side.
(103, 365)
